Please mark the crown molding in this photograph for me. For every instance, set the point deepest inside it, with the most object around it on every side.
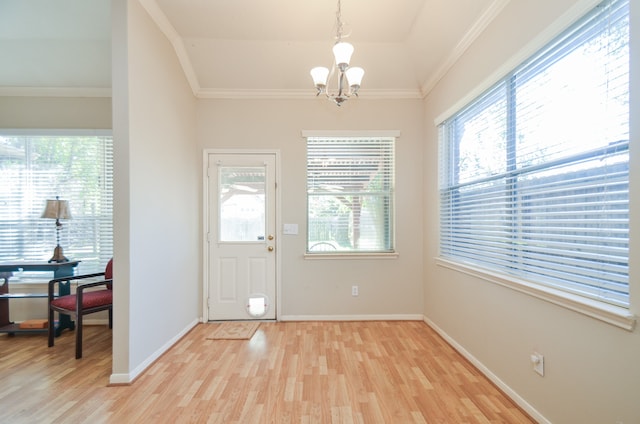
(161, 20)
(392, 94)
(489, 14)
(238, 94)
(54, 92)
(580, 8)
(257, 94)
(242, 94)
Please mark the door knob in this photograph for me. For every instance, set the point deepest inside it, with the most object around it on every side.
(270, 248)
(270, 237)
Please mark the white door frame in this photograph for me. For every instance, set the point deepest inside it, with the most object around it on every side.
(207, 231)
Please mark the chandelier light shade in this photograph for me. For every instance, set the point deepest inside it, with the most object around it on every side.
(57, 209)
(320, 75)
(342, 52)
(354, 77)
(349, 78)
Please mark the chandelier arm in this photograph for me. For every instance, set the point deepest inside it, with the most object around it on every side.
(341, 84)
(332, 71)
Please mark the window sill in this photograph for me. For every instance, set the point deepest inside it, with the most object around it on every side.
(611, 314)
(350, 256)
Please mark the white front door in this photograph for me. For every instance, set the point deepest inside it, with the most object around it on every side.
(242, 238)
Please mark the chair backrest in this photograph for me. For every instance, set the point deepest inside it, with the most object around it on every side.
(108, 273)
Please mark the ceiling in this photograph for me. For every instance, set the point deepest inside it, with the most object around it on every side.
(240, 48)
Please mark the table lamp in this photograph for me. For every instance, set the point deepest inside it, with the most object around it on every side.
(57, 209)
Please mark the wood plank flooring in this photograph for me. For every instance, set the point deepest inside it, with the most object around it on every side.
(289, 372)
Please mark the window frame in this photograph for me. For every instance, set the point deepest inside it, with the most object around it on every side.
(360, 254)
(95, 263)
(613, 314)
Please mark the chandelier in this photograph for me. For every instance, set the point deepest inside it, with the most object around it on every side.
(342, 52)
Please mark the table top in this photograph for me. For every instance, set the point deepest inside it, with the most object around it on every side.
(35, 266)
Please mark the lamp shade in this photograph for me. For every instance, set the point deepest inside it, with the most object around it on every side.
(57, 209)
(342, 52)
(354, 76)
(320, 75)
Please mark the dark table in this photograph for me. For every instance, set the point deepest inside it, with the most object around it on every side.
(60, 269)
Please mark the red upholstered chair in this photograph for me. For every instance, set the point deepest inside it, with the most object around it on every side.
(83, 302)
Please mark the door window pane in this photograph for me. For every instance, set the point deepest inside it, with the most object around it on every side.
(242, 204)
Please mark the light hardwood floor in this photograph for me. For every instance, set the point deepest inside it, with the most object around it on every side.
(289, 372)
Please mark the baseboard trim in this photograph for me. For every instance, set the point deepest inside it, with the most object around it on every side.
(390, 317)
(521, 402)
(128, 378)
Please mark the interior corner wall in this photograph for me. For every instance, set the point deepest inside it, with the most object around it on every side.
(321, 289)
(55, 112)
(121, 222)
(156, 197)
(592, 372)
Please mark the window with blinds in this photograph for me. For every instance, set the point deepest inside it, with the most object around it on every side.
(350, 194)
(534, 174)
(75, 166)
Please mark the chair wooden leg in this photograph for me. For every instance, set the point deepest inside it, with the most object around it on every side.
(78, 336)
(111, 318)
(52, 329)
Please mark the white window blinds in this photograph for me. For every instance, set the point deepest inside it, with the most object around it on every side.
(350, 194)
(77, 167)
(534, 175)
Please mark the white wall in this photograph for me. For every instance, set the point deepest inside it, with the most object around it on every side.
(55, 112)
(156, 194)
(592, 368)
(389, 288)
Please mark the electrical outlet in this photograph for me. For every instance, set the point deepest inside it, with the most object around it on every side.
(538, 363)
(354, 290)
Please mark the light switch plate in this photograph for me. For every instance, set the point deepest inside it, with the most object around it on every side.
(290, 229)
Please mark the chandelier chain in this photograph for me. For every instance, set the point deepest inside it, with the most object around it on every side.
(339, 22)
